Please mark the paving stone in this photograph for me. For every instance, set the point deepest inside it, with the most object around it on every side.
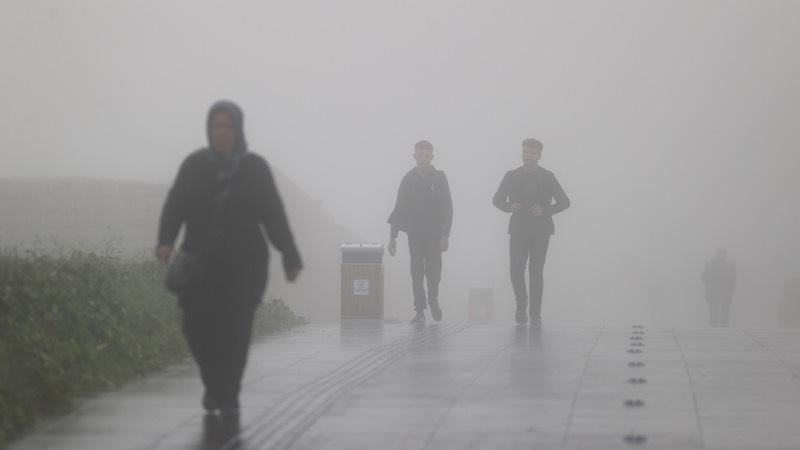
(454, 386)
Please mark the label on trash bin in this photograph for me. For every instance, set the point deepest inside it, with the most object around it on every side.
(360, 287)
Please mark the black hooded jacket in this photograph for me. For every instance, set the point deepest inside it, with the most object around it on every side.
(224, 203)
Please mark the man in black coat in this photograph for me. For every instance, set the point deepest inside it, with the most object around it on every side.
(424, 211)
(528, 193)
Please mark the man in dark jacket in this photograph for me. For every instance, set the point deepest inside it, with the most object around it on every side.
(424, 211)
(528, 193)
(719, 277)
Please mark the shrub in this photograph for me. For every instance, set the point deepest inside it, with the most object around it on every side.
(77, 322)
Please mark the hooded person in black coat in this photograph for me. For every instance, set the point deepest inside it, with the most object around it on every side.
(227, 200)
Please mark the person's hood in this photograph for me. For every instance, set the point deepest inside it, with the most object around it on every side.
(236, 115)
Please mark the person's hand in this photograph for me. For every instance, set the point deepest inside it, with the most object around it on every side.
(392, 247)
(515, 207)
(537, 210)
(164, 253)
(292, 273)
(444, 243)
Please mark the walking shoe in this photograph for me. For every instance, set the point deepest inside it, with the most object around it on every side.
(229, 415)
(522, 316)
(230, 421)
(536, 321)
(419, 319)
(211, 428)
(209, 403)
(436, 310)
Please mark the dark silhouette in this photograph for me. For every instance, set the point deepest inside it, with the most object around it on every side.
(226, 197)
(424, 211)
(790, 307)
(719, 277)
(528, 193)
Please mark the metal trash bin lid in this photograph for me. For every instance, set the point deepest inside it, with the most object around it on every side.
(362, 253)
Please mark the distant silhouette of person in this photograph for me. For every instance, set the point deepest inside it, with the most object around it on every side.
(790, 307)
(224, 195)
(424, 211)
(532, 195)
(719, 277)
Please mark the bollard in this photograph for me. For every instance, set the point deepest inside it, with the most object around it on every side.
(480, 305)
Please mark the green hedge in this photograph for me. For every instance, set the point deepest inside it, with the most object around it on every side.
(78, 322)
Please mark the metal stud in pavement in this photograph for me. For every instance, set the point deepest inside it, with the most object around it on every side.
(634, 403)
(635, 438)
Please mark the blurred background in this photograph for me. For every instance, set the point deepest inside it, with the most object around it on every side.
(672, 125)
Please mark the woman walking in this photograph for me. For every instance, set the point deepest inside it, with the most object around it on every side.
(226, 197)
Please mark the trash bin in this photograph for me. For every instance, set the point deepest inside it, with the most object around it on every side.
(480, 305)
(362, 281)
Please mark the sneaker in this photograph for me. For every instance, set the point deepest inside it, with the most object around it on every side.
(419, 319)
(536, 321)
(436, 310)
(522, 316)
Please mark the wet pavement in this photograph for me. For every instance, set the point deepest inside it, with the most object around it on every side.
(459, 386)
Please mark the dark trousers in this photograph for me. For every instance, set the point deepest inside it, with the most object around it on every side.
(529, 247)
(218, 321)
(719, 311)
(426, 262)
(219, 338)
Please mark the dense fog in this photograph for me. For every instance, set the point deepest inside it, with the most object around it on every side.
(672, 126)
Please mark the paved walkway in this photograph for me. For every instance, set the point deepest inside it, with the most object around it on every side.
(455, 386)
